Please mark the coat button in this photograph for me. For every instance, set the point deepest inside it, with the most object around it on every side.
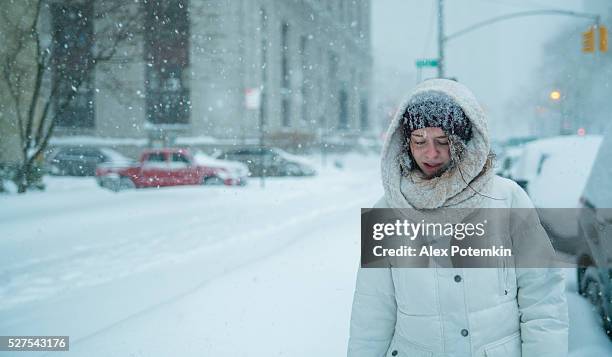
(457, 278)
(464, 332)
(394, 353)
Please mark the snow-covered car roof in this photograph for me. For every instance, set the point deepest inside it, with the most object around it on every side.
(292, 157)
(114, 156)
(202, 159)
(530, 161)
(289, 157)
(563, 177)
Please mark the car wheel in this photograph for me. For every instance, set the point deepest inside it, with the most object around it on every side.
(54, 170)
(212, 180)
(102, 184)
(125, 183)
(594, 292)
(607, 325)
(292, 170)
(607, 308)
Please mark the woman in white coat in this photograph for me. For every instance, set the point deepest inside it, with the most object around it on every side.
(437, 155)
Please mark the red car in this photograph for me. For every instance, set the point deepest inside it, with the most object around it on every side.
(170, 167)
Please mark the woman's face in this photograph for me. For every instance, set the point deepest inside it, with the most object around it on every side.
(431, 151)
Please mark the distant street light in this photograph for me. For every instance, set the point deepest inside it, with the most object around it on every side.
(555, 95)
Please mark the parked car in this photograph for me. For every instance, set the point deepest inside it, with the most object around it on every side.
(519, 141)
(270, 162)
(570, 148)
(554, 172)
(563, 170)
(508, 153)
(83, 160)
(169, 167)
(233, 168)
(595, 227)
(507, 160)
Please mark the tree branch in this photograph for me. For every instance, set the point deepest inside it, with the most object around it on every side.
(37, 79)
(6, 71)
(58, 112)
(45, 112)
(45, 142)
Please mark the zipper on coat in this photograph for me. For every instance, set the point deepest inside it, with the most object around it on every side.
(502, 278)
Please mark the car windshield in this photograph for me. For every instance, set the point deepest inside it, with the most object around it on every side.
(156, 157)
(180, 158)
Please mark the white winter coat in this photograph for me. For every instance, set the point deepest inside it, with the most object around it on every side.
(447, 312)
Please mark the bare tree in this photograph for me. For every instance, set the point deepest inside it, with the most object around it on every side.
(35, 77)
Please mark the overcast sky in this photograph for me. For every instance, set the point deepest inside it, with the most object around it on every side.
(495, 61)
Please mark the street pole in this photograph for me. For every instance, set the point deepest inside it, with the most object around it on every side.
(262, 180)
(323, 121)
(440, 38)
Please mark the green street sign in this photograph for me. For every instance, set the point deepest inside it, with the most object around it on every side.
(427, 63)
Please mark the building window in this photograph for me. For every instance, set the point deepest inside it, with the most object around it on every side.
(305, 78)
(333, 66)
(285, 76)
(264, 66)
(363, 114)
(167, 57)
(72, 64)
(355, 20)
(343, 109)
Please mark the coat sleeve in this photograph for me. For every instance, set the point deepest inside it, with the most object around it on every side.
(374, 313)
(374, 310)
(542, 302)
(543, 312)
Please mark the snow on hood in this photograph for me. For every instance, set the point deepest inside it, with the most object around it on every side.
(295, 158)
(571, 146)
(449, 189)
(234, 166)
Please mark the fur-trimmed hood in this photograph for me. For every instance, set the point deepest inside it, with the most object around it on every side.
(469, 174)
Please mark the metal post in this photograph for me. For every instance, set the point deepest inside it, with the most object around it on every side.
(262, 180)
(323, 121)
(441, 38)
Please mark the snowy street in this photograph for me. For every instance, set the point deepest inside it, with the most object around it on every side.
(105, 260)
(199, 270)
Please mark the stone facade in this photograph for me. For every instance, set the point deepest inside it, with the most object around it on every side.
(309, 62)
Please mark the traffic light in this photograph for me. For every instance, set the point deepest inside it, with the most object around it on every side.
(603, 39)
(588, 40)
